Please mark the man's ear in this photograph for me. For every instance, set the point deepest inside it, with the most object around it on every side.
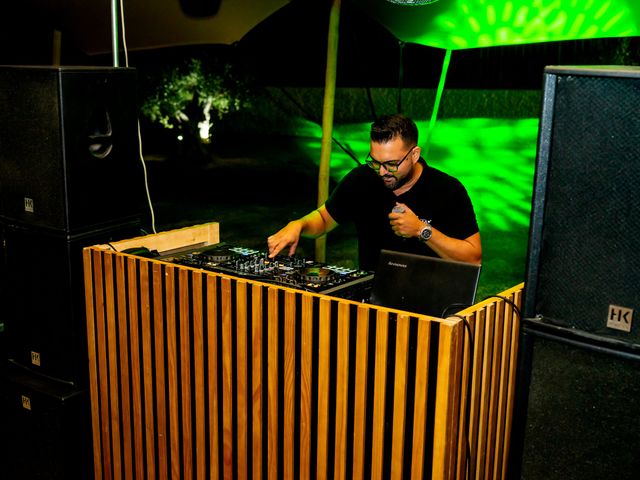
(416, 154)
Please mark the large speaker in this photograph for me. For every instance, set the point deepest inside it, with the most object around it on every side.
(46, 429)
(583, 266)
(576, 413)
(43, 309)
(69, 147)
(583, 415)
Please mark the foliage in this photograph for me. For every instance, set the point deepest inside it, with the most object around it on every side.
(190, 94)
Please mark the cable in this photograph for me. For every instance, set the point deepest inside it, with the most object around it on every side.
(516, 309)
(140, 156)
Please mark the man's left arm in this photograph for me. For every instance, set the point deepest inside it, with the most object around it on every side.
(407, 224)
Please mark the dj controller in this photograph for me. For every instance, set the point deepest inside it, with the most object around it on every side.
(293, 271)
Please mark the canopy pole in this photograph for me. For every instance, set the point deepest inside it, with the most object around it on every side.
(327, 119)
(114, 32)
(436, 105)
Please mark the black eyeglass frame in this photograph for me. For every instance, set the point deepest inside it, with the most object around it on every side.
(391, 166)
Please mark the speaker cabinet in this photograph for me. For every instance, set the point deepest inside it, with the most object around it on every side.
(583, 414)
(69, 147)
(45, 429)
(44, 298)
(583, 266)
(576, 413)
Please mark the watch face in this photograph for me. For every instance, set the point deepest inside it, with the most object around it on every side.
(425, 234)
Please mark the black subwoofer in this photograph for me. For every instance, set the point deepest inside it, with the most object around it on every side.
(579, 362)
(69, 147)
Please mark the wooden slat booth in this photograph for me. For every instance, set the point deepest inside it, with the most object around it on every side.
(195, 374)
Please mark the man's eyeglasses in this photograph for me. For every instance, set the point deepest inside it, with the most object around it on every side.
(391, 166)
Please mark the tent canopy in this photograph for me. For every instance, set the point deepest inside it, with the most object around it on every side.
(461, 24)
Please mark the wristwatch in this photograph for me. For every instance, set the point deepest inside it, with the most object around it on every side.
(425, 233)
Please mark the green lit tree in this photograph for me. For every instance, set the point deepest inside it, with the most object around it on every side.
(190, 99)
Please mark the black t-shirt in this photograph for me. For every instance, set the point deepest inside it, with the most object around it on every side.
(362, 198)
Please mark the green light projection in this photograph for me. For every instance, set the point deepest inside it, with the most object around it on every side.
(494, 159)
(460, 24)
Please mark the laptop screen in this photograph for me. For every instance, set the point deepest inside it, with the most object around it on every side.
(420, 284)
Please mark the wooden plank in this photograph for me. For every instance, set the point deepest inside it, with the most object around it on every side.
(227, 379)
(272, 384)
(147, 371)
(306, 385)
(511, 383)
(342, 391)
(205, 234)
(184, 308)
(360, 392)
(379, 392)
(242, 401)
(112, 359)
(324, 355)
(257, 333)
(465, 398)
(289, 384)
(136, 375)
(125, 381)
(494, 395)
(199, 383)
(446, 407)
(93, 361)
(159, 369)
(485, 391)
(478, 327)
(420, 399)
(399, 396)
(212, 378)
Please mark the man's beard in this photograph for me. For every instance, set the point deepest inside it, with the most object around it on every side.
(395, 185)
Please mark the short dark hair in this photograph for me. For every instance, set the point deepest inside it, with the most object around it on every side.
(387, 127)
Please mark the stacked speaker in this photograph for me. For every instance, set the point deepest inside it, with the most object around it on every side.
(69, 178)
(577, 412)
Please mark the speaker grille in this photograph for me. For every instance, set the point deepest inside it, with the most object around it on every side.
(589, 234)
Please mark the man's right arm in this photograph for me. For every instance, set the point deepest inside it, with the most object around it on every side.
(312, 225)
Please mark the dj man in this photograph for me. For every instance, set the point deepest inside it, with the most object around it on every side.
(396, 201)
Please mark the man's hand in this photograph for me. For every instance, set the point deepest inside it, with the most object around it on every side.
(288, 236)
(404, 222)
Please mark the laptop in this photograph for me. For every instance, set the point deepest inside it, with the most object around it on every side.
(420, 284)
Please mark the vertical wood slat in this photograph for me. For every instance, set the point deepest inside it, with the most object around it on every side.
(324, 353)
(165, 352)
(494, 393)
(360, 392)
(212, 377)
(199, 383)
(258, 410)
(289, 384)
(173, 403)
(342, 391)
(379, 390)
(136, 390)
(272, 384)
(227, 376)
(147, 370)
(124, 377)
(485, 391)
(478, 329)
(89, 291)
(399, 396)
(510, 396)
(241, 380)
(112, 362)
(447, 399)
(184, 308)
(306, 388)
(503, 387)
(420, 399)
